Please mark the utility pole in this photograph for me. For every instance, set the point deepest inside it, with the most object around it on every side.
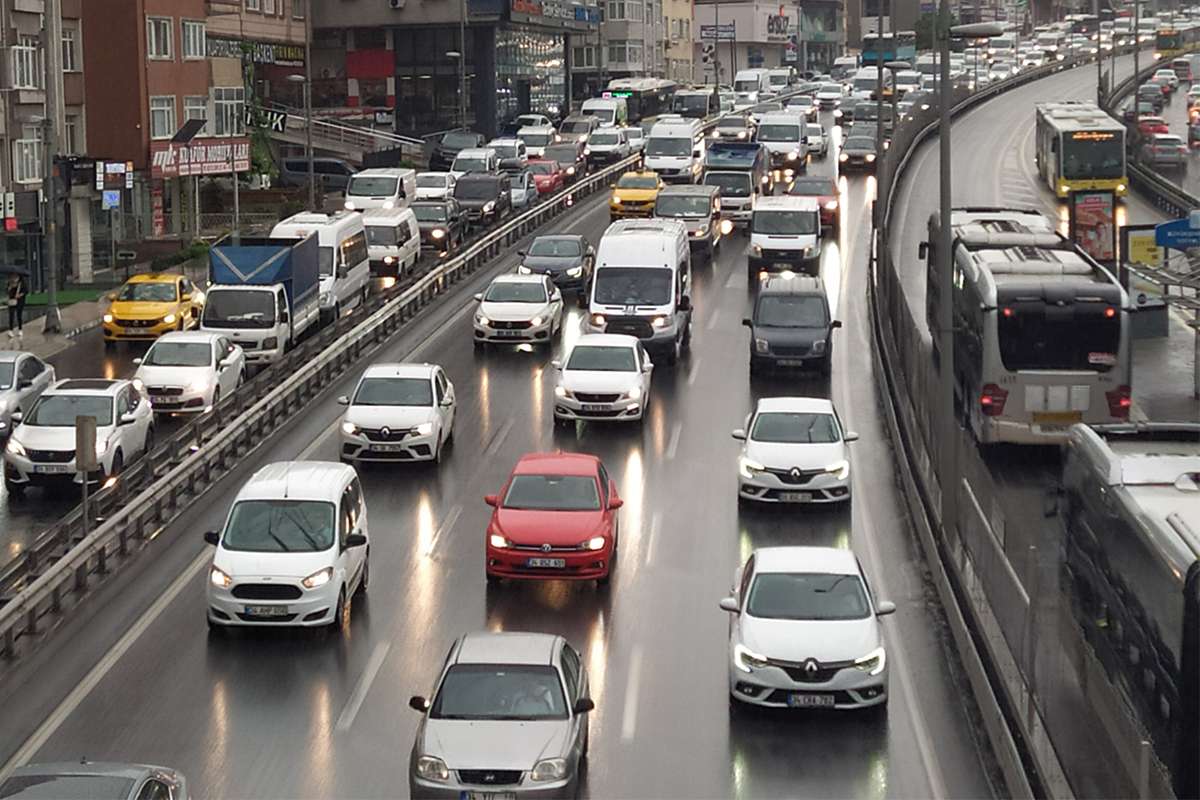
(53, 125)
(879, 82)
(717, 45)
(948, 435)
(462, 64)
(308, 123)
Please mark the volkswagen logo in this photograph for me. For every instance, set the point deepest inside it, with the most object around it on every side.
(545, 548)
(811, 667)
(386, 431)
(795, 473)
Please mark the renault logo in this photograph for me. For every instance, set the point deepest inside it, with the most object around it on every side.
(811, 667)
(386, 431)
(545, 548)
(795, 473)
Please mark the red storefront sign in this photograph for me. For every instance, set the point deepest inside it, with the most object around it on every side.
(207, 156)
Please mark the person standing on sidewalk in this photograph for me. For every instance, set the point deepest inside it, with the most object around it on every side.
(16, 305)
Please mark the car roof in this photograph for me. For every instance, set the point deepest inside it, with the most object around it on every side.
(298, 480)
(558, 237)
(385, 172)
(605, 340)
(786, 202)
(154, 277)
(827, 560)
(88, 385)
(397, 369)
(475, 152)
(506, 647)
(189, 336)
(698, 189)
(556, 463)
(801, 405)
(13, 355)
(639, 173)
(504, 140)
(513, 277)
(782, 283)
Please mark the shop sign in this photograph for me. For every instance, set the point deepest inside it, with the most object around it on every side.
(555, 13)
(278, 53)
(726, 32)
(778, 27)
(199, 157)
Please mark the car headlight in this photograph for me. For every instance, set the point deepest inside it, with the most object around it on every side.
(635, 393)
(574, 272)
(270, 343)
(746, 659)
(482, 320)
(489, 206)
(561, 391)
(587, 151)
(101, 447)
(139, 384)
(424, 429)
(389, 260)
(818, 346)
(761, 346)
(326, 298)
(839, 469)
(831, 205)
(873, 662)
(219, 578)
(570, 170)
(389, 203)
(523, 270)
(318, 578)
(615, 200)
(437, 233)
(348, 205)
(660, 322)
(792, 156)
(349, 428)
(597, 320)
(15, 448)
(499, 542)
(108, 318)
(843, 157)
(748, 467)
(536, 321)
(432, 768)
(870, 157)
(594, 543)
(756, 249)
(549, 769)
(741, 134)
(168, 319)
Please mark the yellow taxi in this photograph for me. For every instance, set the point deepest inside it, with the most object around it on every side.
(149, 305)
(633, 195)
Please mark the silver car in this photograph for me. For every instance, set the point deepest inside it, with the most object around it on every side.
(23, 378)
(508, 719)
(95, 781)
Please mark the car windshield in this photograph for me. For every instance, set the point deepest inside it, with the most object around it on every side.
(372, 186)
(633, 134)
(859, 143)
(637, 182)
(60, 410)
(830, 88)
(790, 311)
(544, 246)
(460, 139)
(633, 286)
(383, 235)
(428, 214)
(152, 292)
(599, 358)
(564, 155)
(394, 392)
(732, 124)
(430, 181)
(543, 168)
(803, 101)
(6, 374)
(779, 133)
(552, 493)
(475, 190)
(668, 146)
(238, 308)
(66, 787)
(793, 427)
(513, 292)
(280, 526)
(505, 150)
(575, 126)
(807, 596)
(529, 120)
(605, 138)
(788, 223)
(179, 354)
(682, 205)
(500, 692)
(536, 139)
(471, 164)
(813, 187)
(731, 184)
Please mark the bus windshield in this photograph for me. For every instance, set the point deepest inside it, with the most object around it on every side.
(1037, 336)
(1094, 157)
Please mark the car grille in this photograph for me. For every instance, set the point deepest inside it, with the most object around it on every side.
(168, 391)
(244, 617)
(783, 255)
(790, 350)
(511, 325)
(801, 477)
(597, 398)
(630, 326)
(553, 548)
(823, 674)
(490, 777)
(137, 323)
(393, 434)
(50, 456)
(266, 591)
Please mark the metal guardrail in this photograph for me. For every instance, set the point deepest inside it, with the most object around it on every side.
(342, 136)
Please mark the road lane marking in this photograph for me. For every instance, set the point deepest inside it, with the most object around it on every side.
(364, 685)
(652, 536)
(712, 321)
(629, 716)
(497, 440)
(318, 441)
(447, 523)
(694, 372)
(673, 445)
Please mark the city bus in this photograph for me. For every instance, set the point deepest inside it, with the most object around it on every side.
(644, 97)
(1175, 39)
(893, 46)
(1079, 147)
(1041, 331)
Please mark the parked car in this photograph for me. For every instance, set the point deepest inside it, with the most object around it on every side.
(447, 146)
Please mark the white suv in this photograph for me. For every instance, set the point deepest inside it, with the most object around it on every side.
(41, 450)
(398, 412)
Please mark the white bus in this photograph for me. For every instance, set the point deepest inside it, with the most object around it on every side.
(1041, 331)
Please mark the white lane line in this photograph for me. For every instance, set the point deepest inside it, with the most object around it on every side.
(694, 372)
(712, 321)
(629, 716)
(97, 673)
(673, 445)
(364, 685)
(447, 523)
(652, 536)
(318, 441)
(499, 438)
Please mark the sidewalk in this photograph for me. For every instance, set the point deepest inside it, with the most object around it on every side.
(1163, 375)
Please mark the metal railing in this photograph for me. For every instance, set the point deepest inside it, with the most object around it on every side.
(344, 137)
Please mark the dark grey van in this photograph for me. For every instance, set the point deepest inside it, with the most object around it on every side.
(329, 173)
(792, 325)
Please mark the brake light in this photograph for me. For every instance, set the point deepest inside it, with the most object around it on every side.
(1119, 402)
(1110, 312)
(992, 400)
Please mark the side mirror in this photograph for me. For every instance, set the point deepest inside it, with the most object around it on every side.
(186, 296)
(739, 434)
(15, 417)
(356, 540)
(110, 296)
(418, 703)
(343, 271)
(884, 607)
(128, 419)
(923, 250)
(648, 367)
(749, 323)
(492, 500)
(521, 252)
(343, 400)
(212, 537)
(685, 303)
(730, 604)
(284, 317)
(850, 436)
(615, 503)
(447, 402)
(583, 705)
(837, 323)
(479, 297)
(556, 364)
(137, 361)
(224, 364)
(24, 383)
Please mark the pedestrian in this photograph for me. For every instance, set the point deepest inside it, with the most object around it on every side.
(16, 305)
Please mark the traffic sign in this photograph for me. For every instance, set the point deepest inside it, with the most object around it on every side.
(1178, 234)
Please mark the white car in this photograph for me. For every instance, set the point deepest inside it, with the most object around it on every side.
(794, 452)
(803, 104)
(606, 376)
(534, 121)
(830, 95)
(636, 138)
(804, 631)
(519, 309)
(41, 450)
(435, 185)
(294, 549)
(607, 145)
(398, 412)
(1167, 74)
(190, 371)
(817, 139)
(536, 139)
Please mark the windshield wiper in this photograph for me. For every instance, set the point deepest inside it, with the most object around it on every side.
(278, 541)
(831, 586)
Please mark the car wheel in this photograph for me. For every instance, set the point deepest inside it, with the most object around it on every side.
(366, 575)
(341, 615)
(148, 447)
(117, 465)
(14, 489)
(581, 300)
(241, 379)
(612, 565)
(437, 454)
(216, 396)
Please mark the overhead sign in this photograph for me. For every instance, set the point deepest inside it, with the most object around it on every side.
(200, 157)
(279, 53)
(265, 118)
(726, 32)
(1178, 234)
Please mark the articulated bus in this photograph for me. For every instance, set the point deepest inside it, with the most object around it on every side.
(1080, 147)
(644, 97)
(1041, 331)
(1175, 39)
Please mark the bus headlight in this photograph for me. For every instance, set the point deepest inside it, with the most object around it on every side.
(437, 233)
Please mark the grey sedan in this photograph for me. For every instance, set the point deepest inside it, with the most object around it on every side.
(94, 781)
(23, 378)
(508, 719)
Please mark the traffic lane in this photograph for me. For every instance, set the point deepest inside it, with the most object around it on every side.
(1176, 114)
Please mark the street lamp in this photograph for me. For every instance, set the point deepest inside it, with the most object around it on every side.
(893, 67)
(308, 145)
(462, 86)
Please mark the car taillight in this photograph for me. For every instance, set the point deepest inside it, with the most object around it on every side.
(1119, 402)
(992, 400)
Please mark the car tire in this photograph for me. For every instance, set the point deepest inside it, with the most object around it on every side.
(581, 300)
(118, 464)
(216, 396)
(342, 615)
(148, 445)
(13, 488)
(612, 564)
(366, 575)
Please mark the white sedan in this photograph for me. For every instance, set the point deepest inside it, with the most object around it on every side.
(519, 309)
(398, 412)
(606, 377)
(794, 452)
(190, 371)
(816, 138)
(804, 631)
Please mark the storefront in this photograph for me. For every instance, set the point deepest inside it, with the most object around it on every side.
(173, 166)
(272, 63)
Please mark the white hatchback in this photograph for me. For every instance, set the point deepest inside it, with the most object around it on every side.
(519, 309)
(435, 185)
(606, 376)
(190, 371)
(398, 412)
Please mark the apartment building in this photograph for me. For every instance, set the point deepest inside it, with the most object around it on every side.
(264, 39)
(631, 41)
(677, 30)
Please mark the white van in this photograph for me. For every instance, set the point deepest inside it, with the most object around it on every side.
(475, 159)
(613, 112)
(642, 285)
(866, 81)
(782, 78)
(675, 150)
(783, 134)
(385, 187)
(785, 234)
(751, 86)
(393, 241)
(536, 139)
(344, 260)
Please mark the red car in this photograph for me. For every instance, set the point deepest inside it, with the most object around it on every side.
(548, 176)
(825, 190)
(555, 518)
(1148, 126)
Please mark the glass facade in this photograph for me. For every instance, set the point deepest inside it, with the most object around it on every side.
(530, 71)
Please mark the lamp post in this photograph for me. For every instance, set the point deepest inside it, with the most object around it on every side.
(894, 67)
(308, 145)
(462, 86)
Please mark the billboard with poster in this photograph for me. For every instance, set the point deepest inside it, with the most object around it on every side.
(1094, 224)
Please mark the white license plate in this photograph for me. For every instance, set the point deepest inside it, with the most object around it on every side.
(52, 469)
(782, 265)
(796, 497)
(510, 334)
(387, 448)
(810, 700)
(553, 563)
(267, 611)
(489, 796)
(594, 407)
(790, 362)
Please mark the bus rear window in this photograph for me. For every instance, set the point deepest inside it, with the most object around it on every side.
(1035, 336)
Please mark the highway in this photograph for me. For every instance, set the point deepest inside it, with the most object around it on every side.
(289, 714)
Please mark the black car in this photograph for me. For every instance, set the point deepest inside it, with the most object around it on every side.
(858, 152)
(484, 197)
(567, 258)
(1151, 93)
(443, 224)
(791, 326)
(447, 147)
(572, 157)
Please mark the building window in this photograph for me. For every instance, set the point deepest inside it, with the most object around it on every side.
(252, 5)
(162, 117)
(625, 51)
(158, 37)
(70, 55)
(268, 6)
(194, 39)
(27, 64)
(27, 155)
(71, 144)
(196, 107)
(583, 56)
(298, 8)
(228, 106)
(630, 10)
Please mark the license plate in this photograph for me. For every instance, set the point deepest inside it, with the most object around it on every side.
(387, 448)
(488, 796)
(810, 700)
(594, 407)
(509, 334)
(796, 497)
(1056, 417)
(52, 469)
(267, 611)
(554, 563)
(782, 265)
(790, 362)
